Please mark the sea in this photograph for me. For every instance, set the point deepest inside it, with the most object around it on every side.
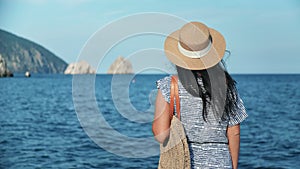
(104, 121)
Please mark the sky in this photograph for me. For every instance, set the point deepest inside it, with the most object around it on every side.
(262, 36)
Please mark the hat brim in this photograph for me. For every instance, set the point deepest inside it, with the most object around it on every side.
(213, 57)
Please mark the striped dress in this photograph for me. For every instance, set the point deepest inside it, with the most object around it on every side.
(208, 141)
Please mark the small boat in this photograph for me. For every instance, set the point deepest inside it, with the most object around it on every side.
(27, 74)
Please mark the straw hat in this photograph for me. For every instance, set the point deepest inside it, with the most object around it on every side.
(195, 46)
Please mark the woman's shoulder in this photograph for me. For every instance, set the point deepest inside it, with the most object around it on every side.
(164, 80)
(163, 84)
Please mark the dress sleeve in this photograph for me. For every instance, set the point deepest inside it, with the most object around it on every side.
(164, 86)
(240, 114)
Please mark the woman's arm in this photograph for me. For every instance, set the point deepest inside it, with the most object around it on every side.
(162, 119)
(233, 135)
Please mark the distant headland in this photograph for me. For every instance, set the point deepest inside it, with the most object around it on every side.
(23, 55)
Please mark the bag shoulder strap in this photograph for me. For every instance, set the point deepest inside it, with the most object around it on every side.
(174, 94)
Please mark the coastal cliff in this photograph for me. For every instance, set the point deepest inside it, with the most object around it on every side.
(4, 72)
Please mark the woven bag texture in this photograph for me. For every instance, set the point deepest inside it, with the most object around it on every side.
(175, 153)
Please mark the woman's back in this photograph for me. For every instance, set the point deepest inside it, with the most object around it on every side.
(207, 140)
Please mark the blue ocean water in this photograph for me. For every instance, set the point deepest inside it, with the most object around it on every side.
(39, 127)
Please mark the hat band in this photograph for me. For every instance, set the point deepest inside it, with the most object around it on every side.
(194, 54)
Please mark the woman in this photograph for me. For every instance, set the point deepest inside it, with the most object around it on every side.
(211, 109)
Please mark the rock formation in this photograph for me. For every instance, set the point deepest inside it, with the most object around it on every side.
(4, 72)
(22, 55)
(120, 66)
(81, 67)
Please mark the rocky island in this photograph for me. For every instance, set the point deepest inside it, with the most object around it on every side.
(81, 67)
(120, 66)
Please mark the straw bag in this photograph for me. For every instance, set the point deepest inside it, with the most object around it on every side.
(174, 154)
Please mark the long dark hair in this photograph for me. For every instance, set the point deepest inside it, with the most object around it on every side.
(216, 88)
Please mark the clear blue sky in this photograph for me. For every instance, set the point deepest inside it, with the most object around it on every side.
(263, 36)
